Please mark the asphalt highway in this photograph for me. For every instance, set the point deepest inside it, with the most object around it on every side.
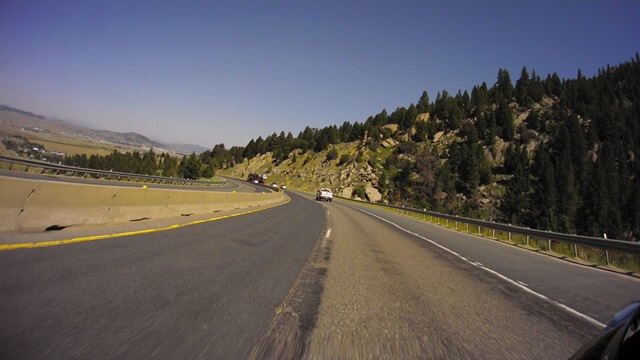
(596, 293)
(206, 291)
(388, 296)
(306, 279)
(231, 185)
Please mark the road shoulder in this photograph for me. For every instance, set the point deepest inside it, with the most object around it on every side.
(294, 320)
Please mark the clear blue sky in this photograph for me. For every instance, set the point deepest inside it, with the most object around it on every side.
(228, 71)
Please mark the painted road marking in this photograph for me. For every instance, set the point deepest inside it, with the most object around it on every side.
(521, 283)
(5, 247)
(523, 287)
(324, 239)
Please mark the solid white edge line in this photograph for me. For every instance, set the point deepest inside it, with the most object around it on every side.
(562, 306)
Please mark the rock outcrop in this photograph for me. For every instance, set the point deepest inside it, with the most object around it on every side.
(372, 193)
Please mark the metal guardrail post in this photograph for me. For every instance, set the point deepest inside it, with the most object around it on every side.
(549, 244)
(606, 254)
(527, 240)
(575, 250)
(509, 236)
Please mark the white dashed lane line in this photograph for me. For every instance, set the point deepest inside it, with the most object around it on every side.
(519, 284)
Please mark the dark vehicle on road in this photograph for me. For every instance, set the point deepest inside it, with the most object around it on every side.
(260, 178)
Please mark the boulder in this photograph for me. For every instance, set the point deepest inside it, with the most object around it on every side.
(347, 192)
(437, 136)
(488, 154)
(440, 195)
(520, 118)
(372, 193)
(389, 143)
(423, 117)
(392, 127)
(498, 149)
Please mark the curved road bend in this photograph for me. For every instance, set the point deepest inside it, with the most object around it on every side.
(232, 184)
(389, 294)
(211, 290)
(206, 291)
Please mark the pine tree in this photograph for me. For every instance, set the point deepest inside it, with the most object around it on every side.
(567, 198)
(503, 87)
(542, 208)
(514, 202)
(423, 104)
(409, 117)
(469, 169)
(522, 88)
(504, 121)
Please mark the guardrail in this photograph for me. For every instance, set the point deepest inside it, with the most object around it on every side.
(481, 227)
(57, 168)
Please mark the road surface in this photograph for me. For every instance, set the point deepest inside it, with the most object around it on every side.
(389, 293)
(596, 293)
(301, 280)
(201, 292)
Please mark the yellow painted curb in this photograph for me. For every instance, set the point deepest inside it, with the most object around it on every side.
(128, 233)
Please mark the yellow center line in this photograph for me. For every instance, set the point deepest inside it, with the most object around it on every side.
(128, 233)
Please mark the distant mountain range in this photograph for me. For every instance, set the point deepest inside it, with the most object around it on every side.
(26, 113)
(187, 148)
(79, 129)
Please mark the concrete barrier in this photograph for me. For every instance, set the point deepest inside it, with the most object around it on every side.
(34, 205)
(13, 196)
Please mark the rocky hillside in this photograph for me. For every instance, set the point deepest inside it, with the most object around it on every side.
(349, 174)
(355, 169)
